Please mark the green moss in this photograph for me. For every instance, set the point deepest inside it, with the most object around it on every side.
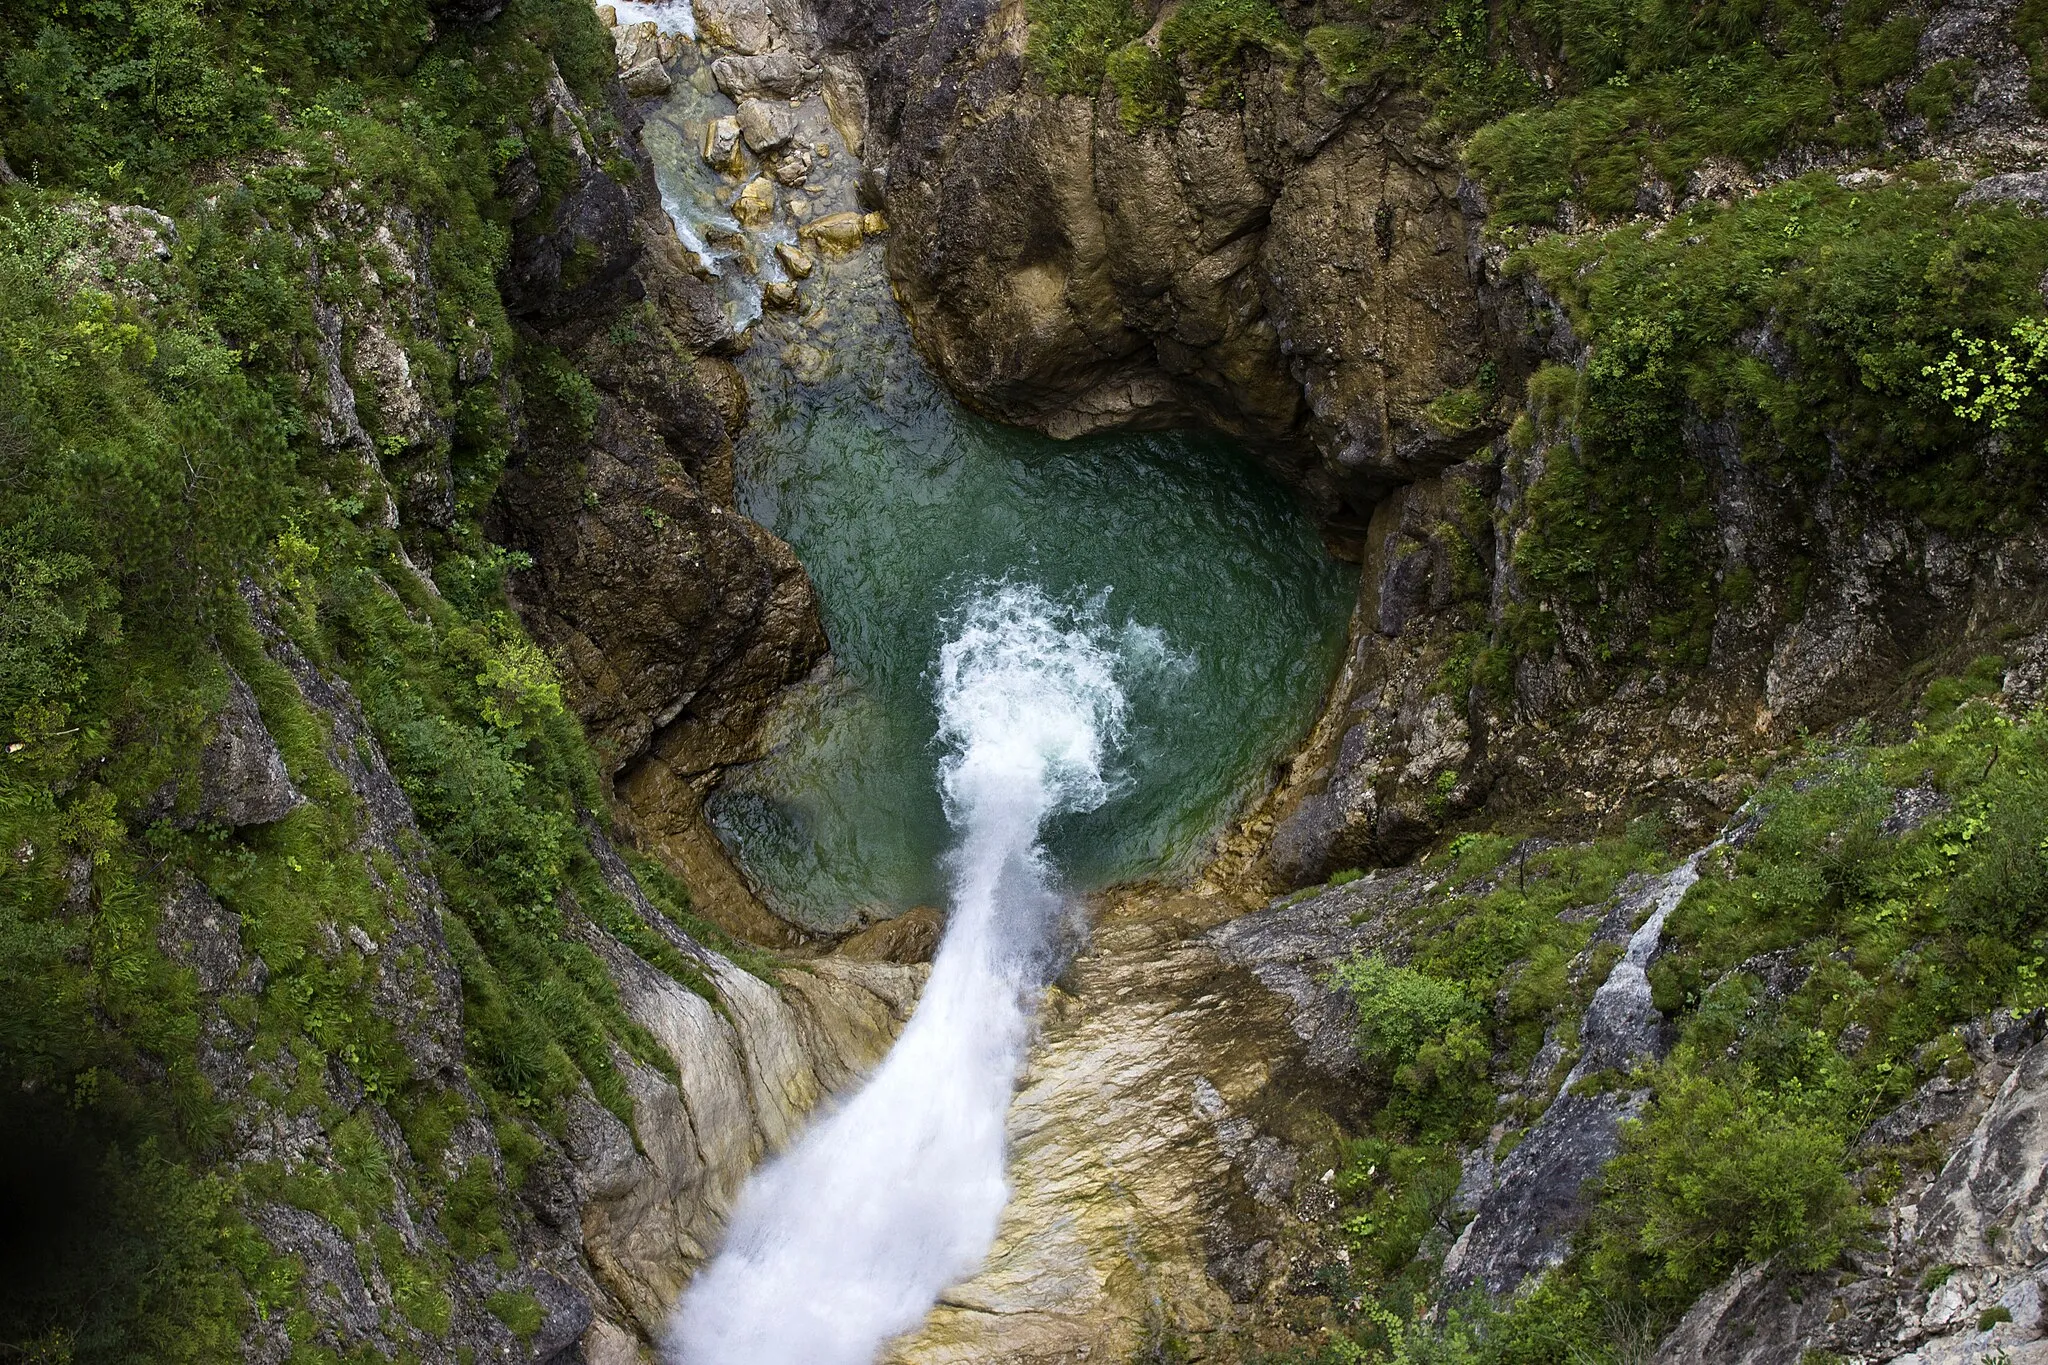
(1459, 410)
(1146, 89)
(1071, 41)
(518, 1310)
(416, 1286)
(1210, 38)
(1349, 55)
(469, 1215)
(1937, 94)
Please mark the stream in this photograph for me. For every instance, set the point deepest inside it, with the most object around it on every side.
(1057, 666)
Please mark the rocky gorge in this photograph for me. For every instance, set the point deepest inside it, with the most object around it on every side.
(367, 930)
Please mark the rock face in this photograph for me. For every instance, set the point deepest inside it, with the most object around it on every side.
(1063, 274)
(1299, 271)
(614, 1218)
(1955, 1277)
(241, 778)
(1306, 271)
(752, 1058)
(678, 619)
(1528, 1208)
(1146, 1205)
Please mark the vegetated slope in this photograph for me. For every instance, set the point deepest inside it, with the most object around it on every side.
(1676, 372)
(322, 992)
(1801, 1093)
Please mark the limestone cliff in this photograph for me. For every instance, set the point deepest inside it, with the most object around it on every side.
(1305, 255)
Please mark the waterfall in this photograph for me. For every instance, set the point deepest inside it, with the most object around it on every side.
(847, 1239)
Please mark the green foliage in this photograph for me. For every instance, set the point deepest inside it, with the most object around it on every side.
(158, 453)
(1349, 55)
(1071, 41)
(1659, 85)
(1147, 92)
(1074, 44)
(1988, 379)
(1716, 1175)
(1863, 292)
(1946, 85)
(2030, 35)
(519, 1310)
(1400, 1010)
(1211, 37)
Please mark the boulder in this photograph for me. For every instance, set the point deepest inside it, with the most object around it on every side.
(838, 233)
(778, 294)
(765, 126)
(646, 79)
(634, 44)
(742, 25)
(795, 260)
(242, 777)
(756, 203)
(782, 75)
(722, 145)
(912, 936)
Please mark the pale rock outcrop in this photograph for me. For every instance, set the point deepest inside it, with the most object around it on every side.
(1955, 1277)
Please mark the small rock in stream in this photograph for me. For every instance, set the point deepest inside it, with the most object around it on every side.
(838, 233)
(795, 260)
(722, 145)
(756, 203)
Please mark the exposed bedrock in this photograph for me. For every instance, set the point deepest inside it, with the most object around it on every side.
(1310, 273)
(677, 619)
(1287, 269)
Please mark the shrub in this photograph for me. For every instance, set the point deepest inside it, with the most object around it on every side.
(1426, 1040)
(1716, 1175)
(1400, 1009)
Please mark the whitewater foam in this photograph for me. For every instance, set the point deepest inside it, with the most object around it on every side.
(848, 1238)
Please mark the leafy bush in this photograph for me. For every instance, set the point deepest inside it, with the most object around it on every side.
(1425, 1039)
(1715, 1176)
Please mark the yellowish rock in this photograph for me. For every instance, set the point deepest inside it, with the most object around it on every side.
(756, 203)
(873, 224)
(722, 145)
(608, 15)
(779, 294)
(838, 233)
(795, 260)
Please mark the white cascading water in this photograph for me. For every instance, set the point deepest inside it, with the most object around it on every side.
(846, 1240)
